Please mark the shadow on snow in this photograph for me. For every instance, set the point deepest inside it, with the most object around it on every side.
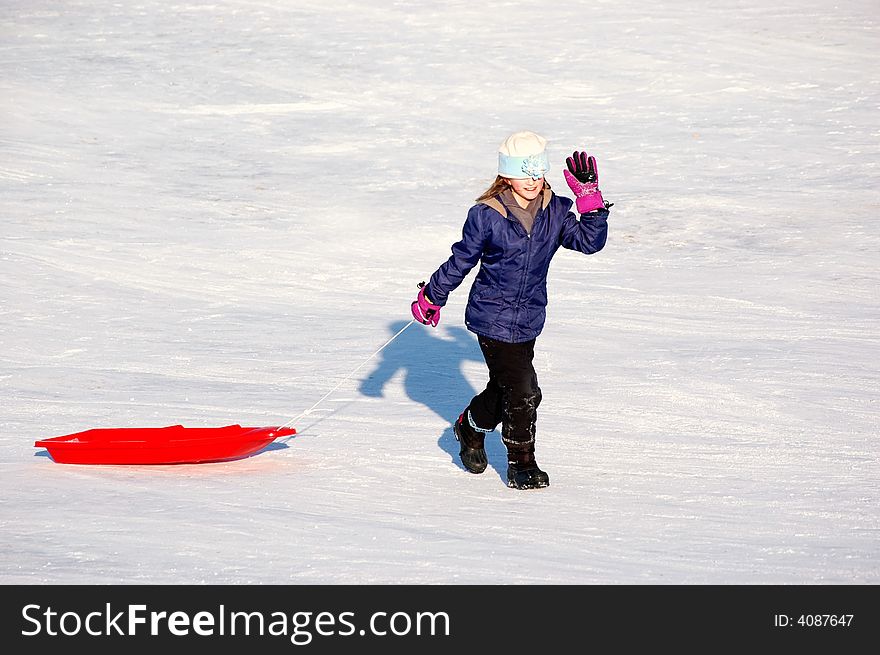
(432, 375)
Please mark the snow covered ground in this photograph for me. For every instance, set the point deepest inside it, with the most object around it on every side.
(213, 212)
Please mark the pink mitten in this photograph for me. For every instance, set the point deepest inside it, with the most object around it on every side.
(583, 179)
(423, 310)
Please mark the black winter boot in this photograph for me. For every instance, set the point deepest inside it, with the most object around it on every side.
(522, 469)
(473, 452)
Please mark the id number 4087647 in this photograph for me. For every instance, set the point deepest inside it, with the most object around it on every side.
(813, 620)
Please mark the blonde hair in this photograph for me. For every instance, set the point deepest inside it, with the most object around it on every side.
(496, 187)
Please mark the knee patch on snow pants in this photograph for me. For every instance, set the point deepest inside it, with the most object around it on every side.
(512, 395)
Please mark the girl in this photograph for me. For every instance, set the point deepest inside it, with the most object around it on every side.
(513, 232)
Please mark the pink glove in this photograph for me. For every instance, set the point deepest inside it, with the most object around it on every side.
(423, 310)
(583, 179)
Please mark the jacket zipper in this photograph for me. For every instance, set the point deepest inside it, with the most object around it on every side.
(525, 274)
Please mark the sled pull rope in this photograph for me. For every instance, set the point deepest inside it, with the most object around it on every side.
(346, 378)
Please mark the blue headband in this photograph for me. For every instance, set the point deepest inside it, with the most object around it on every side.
(533, 166)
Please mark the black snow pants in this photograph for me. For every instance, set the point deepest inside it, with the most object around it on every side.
(511, 397)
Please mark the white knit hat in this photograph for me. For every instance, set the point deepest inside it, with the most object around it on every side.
(523, 155)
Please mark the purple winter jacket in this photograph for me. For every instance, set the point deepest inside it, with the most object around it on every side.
(508, 298)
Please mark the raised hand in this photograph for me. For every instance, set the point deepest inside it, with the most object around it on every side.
(582, 176)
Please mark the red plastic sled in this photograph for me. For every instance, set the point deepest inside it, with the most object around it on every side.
(172, 445)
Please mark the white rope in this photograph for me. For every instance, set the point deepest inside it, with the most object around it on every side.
(346, 378)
